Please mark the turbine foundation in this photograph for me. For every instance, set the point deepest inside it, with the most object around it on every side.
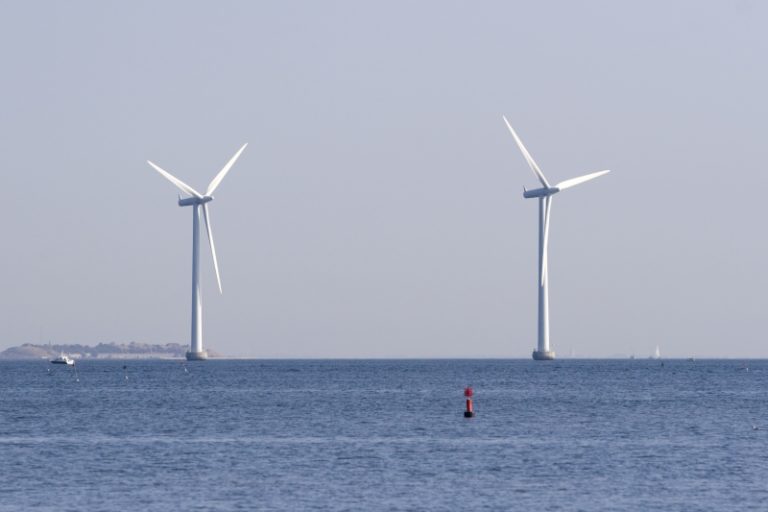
(543, 355)
(197, 356)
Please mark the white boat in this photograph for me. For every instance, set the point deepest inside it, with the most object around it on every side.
(62, 359)
(657, 353)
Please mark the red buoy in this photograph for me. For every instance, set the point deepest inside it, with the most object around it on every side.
(470, 412)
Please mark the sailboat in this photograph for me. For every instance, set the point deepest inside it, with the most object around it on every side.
(657, 354)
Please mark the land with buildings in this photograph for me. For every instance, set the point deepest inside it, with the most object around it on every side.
(133, 350)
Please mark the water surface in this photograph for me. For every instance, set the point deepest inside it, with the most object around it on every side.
(384, 435)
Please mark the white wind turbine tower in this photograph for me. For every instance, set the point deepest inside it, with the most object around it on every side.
(544, 194)
(196, 200)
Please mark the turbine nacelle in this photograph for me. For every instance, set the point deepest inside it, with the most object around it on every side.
(540, 192)
(189, 201)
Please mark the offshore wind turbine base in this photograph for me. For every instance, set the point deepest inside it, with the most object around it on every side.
(197, 356)
(543, 355)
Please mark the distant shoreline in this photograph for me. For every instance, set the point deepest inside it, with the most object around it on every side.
(11, 354)
(102, 351)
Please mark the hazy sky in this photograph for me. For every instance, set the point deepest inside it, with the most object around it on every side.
(378, 209)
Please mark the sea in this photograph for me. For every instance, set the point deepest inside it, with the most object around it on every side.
(384, 435)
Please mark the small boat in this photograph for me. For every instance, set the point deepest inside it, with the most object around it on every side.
(62, 359)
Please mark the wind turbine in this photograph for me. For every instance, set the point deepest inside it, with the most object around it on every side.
(198, 200)
(544, 194)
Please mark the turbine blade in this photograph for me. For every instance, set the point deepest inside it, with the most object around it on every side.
(217, 179)
(528, 157)
(206, 217)
(544, 255)
(176, 181)
(581, 179)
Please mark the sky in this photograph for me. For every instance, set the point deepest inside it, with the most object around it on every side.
(378, 209)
